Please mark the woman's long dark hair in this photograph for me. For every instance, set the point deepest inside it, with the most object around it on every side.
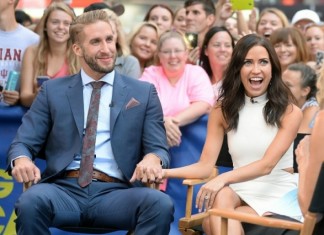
(204, 60)
(232, 95)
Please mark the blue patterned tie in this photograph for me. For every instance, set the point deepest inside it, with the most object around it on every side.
(89, 140)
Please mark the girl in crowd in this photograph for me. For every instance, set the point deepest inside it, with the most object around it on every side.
(179, 21)
(253, 100)
(216, 54)
(184, 90)
(290, 46)
(53, 56)
(301, 80)
(161, 15)
(143, 43)
(271, 19)
(314, 35)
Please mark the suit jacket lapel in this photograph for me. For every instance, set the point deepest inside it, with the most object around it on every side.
(75, 97)
(118, 99)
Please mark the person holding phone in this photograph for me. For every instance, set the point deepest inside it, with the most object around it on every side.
(314, 35)
(52, 57)
(14, 39)
(200, 16)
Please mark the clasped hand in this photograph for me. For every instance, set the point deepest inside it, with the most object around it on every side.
(149, 170)
(207, 194)
(25, 171)
(172, 131)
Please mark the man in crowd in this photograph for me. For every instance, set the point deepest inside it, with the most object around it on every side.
(200, 17)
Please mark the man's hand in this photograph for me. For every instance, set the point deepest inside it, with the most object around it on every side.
(10, 97)
(25, 170)
(148, 170)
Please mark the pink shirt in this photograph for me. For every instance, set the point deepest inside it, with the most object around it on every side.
(64, 71)
(194, 85)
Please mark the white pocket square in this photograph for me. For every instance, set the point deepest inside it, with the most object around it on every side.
(132, 103)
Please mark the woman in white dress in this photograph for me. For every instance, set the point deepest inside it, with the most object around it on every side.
(256, 110)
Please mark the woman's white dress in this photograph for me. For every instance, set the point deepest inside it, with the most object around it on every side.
(248, 144)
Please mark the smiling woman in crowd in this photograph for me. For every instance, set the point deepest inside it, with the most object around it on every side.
(143, 43)
(53, 56)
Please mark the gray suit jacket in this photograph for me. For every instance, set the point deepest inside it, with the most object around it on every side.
(55, 123)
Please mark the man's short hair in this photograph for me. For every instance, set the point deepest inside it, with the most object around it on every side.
(208, 5)
(118, 8)
(84, 19)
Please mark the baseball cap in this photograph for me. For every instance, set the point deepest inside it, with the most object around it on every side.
(305, 14)
(118, 8)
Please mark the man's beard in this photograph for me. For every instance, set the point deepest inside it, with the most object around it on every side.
(91, 62)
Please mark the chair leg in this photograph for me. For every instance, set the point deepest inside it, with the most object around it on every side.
(190, 232)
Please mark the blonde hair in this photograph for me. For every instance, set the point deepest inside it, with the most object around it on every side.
(43, 48)
(167, 35)
(135, 32)
(282, 16)
(121, 43)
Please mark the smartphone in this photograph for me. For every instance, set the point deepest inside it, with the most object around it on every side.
(242, 4)
(319, 58)
(13, 81)
(192, 39)
(41, 79)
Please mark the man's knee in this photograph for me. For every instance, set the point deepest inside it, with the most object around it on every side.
(163, 203)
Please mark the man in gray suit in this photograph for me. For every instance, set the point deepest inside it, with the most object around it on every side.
(130, 146)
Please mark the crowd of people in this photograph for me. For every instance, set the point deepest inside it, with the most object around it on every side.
(260, 81)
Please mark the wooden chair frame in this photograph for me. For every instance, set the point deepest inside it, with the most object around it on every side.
(305, 228)
(315, 211)
(188, 224)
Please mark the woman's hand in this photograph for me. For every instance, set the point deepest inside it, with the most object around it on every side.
(10, 97)
(172, 131)
(226, 11)
(252, 22)
(207, 193)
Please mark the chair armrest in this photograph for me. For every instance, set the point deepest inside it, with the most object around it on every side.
(27, 185)
(255, 219)
(193, 182)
